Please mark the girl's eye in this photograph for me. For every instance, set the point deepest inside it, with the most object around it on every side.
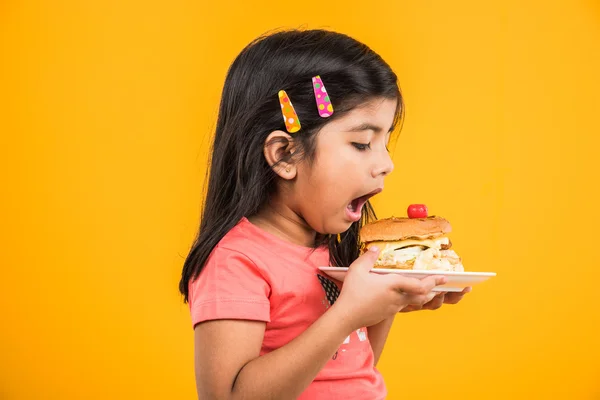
(362, 146)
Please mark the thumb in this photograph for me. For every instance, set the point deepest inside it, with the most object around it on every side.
(367, 260)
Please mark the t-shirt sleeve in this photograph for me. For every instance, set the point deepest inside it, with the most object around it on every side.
(230, 286)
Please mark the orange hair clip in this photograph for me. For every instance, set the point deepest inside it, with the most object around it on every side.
(292, 123)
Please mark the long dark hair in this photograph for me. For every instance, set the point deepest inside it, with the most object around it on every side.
(240, 181)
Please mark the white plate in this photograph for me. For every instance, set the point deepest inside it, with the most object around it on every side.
(457, 281)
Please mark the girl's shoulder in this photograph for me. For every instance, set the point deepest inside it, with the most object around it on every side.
(247, 236)
(249, 242)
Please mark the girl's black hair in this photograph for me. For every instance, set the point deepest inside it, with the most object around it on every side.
(240, 181)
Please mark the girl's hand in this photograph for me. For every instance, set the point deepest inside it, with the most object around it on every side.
(438, 300)
(367, 299)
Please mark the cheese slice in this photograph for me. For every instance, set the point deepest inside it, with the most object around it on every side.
(435, 243)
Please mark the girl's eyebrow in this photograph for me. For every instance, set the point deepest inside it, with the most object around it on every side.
(366, 126)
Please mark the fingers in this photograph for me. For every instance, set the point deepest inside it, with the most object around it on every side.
(413, 286)
(367, 260)
(455, 297)
(415, 303)
(435, 303)
(432, 281)
(419, 300)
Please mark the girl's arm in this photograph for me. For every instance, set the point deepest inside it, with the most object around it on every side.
(378, 335)
(228, 365)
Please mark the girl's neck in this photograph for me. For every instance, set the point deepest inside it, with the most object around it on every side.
(280, 220)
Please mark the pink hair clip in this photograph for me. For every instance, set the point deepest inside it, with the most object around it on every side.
(322, 97)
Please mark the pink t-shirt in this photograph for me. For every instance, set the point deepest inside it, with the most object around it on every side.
(254, 275)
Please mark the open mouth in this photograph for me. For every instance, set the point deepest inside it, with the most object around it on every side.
(356, 205)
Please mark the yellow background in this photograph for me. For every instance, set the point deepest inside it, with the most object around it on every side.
(105, 118)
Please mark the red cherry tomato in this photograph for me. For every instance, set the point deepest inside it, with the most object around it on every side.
(417, 211)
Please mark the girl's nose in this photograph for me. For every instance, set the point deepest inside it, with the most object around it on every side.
(383, 167)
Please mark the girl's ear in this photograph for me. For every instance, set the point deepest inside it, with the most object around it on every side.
(279, 150)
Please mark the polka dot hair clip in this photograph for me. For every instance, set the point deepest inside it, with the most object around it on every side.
(292, 123)
(322, 97)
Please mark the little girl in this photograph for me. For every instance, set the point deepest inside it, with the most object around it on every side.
(300, 147)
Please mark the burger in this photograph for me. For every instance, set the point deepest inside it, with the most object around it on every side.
(412, 243)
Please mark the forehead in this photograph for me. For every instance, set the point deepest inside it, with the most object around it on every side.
(379, 112)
